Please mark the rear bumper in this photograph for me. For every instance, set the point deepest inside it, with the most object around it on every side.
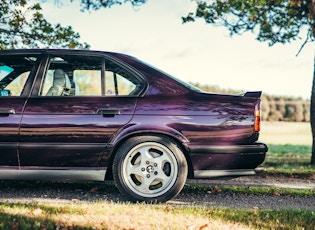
(256, 147)
(228, 160)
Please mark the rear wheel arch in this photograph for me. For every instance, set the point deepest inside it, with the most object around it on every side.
(173, 152)
(179, 143)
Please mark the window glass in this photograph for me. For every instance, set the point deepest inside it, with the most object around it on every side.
(73, 75)
(118, 85)
(119, 82)
(89, 82)
(14, 71)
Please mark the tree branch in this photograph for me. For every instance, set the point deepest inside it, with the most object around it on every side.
(304, 43)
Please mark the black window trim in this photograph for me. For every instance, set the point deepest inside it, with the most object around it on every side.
(47, 54)
(131, 70)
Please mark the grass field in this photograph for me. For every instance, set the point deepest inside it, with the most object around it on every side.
(289, 148)
(294, 133)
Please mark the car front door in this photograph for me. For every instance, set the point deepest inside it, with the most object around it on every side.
(75, 111)
(17, 72)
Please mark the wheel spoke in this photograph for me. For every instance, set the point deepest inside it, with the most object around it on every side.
(160, 162)
(135, 169)
(145, 185)
(145, 154)
(162, 177)
(138, 169)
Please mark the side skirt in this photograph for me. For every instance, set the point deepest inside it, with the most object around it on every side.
(204, 174)
(55, 175)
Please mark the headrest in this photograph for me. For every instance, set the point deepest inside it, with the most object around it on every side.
(59, 77)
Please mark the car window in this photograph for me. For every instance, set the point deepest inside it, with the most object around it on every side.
(71, 75)
(14, 72)
(88, 81)
(120, 82)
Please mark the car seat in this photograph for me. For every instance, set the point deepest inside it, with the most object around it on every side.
(59, 84)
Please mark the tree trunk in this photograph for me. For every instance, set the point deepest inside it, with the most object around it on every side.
(313, 117)
(311, 7)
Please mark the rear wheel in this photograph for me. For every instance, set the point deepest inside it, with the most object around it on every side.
(149, 168)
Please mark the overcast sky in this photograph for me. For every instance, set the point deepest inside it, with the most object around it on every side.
(194, 52)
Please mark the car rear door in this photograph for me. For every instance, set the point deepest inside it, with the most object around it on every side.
(17, 72)
(70, 128)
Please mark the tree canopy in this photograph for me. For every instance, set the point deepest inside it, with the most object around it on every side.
(98, 4)
(274, 21)
(23, 26)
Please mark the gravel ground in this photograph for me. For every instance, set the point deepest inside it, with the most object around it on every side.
(251, 201)
(32, 191)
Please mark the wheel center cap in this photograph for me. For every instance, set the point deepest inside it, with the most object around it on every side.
(150, 169)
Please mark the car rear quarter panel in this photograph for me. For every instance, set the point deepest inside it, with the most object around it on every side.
(201, 118)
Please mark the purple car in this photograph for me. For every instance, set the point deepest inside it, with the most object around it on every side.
(92, 115)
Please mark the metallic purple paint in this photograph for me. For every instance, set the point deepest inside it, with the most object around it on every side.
(84, 132)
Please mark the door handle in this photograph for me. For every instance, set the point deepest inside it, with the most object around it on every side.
(108, 112)
(7, 111)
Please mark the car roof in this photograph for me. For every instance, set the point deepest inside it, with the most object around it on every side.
(46, 50)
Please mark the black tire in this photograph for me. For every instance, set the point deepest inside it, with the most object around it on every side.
(150, 169)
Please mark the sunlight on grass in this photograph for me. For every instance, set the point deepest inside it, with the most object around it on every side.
(106, 215)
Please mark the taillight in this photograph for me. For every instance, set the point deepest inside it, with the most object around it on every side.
(257, 121)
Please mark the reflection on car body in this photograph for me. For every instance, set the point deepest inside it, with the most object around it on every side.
(92, 115)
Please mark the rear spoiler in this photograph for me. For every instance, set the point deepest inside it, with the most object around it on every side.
(255, 94)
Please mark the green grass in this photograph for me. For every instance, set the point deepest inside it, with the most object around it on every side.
(289, 160)
(304, 150)
(107, 215)
(259, 219)
(267, 219)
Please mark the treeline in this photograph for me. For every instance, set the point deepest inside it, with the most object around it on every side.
(274, 108)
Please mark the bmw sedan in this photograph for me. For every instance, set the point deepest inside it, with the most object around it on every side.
(93, 115)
